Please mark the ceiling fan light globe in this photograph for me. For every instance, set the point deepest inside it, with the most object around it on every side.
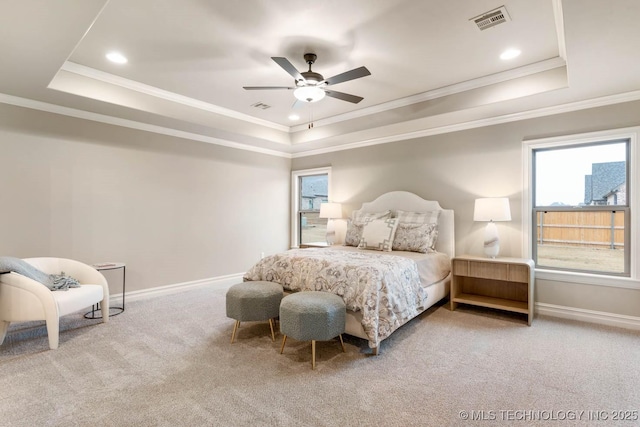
(309, 94)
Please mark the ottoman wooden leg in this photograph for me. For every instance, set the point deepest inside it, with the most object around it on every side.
(273, 335)
(284, 340)
(342, 344)
(313, 354)
(235, 328)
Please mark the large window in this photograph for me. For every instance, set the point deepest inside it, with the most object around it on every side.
(310, 188)
(580, 204)
(580, 208)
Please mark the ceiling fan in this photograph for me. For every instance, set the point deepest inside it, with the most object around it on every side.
(311, 86)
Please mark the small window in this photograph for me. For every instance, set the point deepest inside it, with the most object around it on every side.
(580, 212)
(310, 188)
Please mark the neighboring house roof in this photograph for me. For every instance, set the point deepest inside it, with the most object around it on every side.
(620, 188)
(604, 178)
(587, 190)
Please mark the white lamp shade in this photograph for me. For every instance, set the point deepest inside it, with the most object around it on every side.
(492, 209)
(331, 210)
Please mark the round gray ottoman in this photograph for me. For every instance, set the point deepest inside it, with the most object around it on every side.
(254, 301)
(312, 316)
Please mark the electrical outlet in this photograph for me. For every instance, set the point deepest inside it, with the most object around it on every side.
(261, 255)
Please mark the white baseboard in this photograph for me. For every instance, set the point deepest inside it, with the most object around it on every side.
(591, 316)
(564, 312)
(221, 281)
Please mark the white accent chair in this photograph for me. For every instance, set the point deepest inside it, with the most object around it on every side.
(23, 299)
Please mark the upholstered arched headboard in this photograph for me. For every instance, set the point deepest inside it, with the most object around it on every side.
(406, 201)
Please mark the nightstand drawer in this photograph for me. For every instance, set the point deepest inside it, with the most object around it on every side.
(519, 273)
(460, 267)
(485, 270)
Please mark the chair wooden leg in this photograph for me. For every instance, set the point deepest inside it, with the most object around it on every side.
(273, 335)
(313, 354)
(284, 340)
(235, 328)
(375, 350)
(342, 344)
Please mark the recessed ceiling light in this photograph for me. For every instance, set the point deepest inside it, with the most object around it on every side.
(116, 57)
(294, 117)
(510, 54)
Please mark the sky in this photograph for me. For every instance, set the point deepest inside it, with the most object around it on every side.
(560, 172)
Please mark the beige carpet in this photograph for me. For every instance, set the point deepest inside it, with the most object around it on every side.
(167, 361)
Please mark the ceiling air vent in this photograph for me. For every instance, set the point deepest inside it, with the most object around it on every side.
(261, 105)
(491, 18)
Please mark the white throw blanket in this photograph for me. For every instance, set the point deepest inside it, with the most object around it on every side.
(55, 282)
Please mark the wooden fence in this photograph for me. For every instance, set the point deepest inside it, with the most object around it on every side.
(604, 229)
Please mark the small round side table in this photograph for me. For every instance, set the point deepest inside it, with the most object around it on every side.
(96, 307)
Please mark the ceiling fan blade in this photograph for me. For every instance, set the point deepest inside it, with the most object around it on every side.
(343, 96)
(356, 73)
(266, 87)
(288, 67)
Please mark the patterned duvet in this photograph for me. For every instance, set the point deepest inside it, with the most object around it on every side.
(385, 288)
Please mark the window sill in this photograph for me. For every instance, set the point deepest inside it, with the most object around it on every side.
(587, 279)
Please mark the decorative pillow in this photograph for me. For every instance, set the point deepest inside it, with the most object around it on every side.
(354, 226)
(354, 233)
(378, 234)
(417, 217)
(415, 237)
(362, 217)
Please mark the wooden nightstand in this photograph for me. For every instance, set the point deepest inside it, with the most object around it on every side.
(501, 283)
(314, 245)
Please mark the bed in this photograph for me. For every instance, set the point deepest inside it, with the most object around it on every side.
(383, 289)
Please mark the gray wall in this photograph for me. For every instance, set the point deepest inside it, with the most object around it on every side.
(173, 210)
(177, 210)
(458, 167)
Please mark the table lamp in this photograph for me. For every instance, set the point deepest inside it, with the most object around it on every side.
(331, 211)
(492, 209)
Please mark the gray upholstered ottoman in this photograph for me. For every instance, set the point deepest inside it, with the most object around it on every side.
(314, 316)
(254, 301)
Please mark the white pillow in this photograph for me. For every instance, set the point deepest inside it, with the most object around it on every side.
(378, 234)
(417, 217)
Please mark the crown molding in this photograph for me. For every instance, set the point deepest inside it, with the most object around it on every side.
(117, 121)
(92, 73)
(505, 118)
(558, 15)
